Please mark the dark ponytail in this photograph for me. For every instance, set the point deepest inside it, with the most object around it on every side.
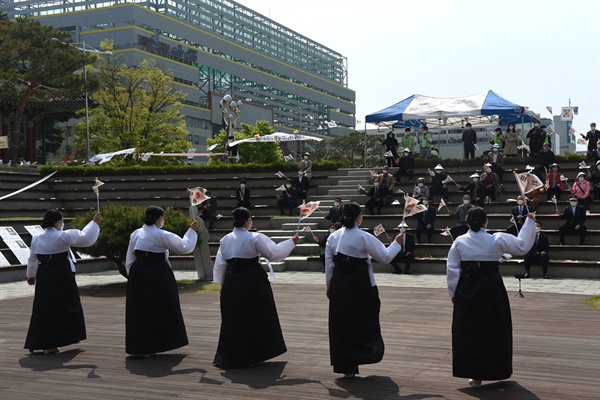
(476, 218)
(240, 216)
(152, 214)
(350, 212)
(51, 217)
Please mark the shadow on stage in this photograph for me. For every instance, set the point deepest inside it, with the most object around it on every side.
(160, 365)
(374, 388)
(263, 375)
(500, 390)
(48, 362)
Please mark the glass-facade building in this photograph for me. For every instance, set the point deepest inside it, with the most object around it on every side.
(214, 48)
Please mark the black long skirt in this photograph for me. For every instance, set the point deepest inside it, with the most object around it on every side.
(481, 327)
(57, 317)
(153, 319)
(250, 329)
(354, 330)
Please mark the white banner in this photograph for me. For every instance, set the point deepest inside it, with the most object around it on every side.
(276, 137)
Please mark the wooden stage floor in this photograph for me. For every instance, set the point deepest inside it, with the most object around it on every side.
(556, 353)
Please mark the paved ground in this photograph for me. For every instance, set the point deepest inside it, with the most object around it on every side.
(563, 286)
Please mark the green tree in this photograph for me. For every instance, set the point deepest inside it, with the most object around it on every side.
(259, 153)
(34, 66)
(136, 107)
(118, 223)
(350, 150)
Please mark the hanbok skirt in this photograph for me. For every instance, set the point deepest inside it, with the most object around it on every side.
(481, 325)
(57, 317)
(153, 319)
(354, 330)
(250, 329)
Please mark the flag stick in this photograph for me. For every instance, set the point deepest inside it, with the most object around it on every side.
(98, 200)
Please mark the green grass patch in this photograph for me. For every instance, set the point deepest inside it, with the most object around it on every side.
(593, 301)
(119, 289)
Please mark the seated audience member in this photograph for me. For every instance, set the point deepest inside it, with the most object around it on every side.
(594, 178)
(426, 220)
(421, 190)
(243, 195)
(323, 242)
(575, 216)
(406, 253)
(208, 209)
(406, 166)
(554, 181)
(461, 213)
(377, 198)
(519, 215)
(496, 159)
(582, 189)
(335, 212)
(489, 180)
(301, 184)
(475, 189)
(287, 200)
(438, 187)
(539, 252)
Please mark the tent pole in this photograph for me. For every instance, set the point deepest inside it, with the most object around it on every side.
(522, 133)
(365, 153)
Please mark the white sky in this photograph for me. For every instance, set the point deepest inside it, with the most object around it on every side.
(532, 52)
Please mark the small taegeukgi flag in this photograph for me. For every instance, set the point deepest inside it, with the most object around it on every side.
(289, 157)
(448, 179)
(528, 182)
(97, 185)
(582, 165)
(307, 209)
(442, 204)
(280, 174)
(281, 188)
(378, 230)
(388, 154)
(412, 206)
(549, 108)
(197, 195)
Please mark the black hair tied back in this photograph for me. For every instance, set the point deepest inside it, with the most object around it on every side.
(476, 218)
(240, 216)
(350, 212)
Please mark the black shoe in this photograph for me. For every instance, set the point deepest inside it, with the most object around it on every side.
(407, 272)
(546, 277)
(526, 276)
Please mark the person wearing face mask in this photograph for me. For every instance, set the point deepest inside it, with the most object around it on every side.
(538, 252)
(208, 209)
(511, 138)
(421, 190)
(354, 305)
(475, 189)
(546, 159)
(498, 138)
(377, 196)
(536, 136)
(438, 187)
(306, 166)
(581, 189)
(489, 181)
(232, 151)
(407, 253)
(426, 220)
(519, 214)
(575, 216)
(57, 316)
(242, 195)
(301, 184)
(323, 242)
(481, 319)
(391, 145)
(592, 137)
(461, 213)
(496, 159)
(408, 141)
(406, 166)
(250, 329)
(153, 319)
(595, 156)
(287, 201)
(425, 143)
(469, 140)
(335, 212)
(554, 181)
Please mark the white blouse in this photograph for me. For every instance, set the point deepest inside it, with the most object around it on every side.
(54, 241)
(154, 239)
(244, 244)
(481, 246)
(355, 242)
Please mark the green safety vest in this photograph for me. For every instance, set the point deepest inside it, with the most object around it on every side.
(410, 143)
(424, 139)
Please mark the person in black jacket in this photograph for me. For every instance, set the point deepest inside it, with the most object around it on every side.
(406, 166)
(288, 198)
(208, 209)
(243, 195)
(377, 196)
(391, 145)
(519, 213)
(469, 139)
(539, 252)
(323, 242)
(537, 137)
(425, 220)
(592, 137)
(407, 252)
(475, 189)
(301, 184)
(335, 212)
(575, 216)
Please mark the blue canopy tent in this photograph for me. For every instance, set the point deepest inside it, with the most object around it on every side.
(487, 107)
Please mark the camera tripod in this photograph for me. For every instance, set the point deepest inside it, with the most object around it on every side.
(520, 293)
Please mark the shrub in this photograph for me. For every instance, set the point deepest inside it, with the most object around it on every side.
(118, 223)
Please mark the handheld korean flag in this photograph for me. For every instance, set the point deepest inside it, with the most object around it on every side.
(412, 207)
(583, 166)
(281, 175)
(374, 174)
(289, 157)
(446, 232)
(307, 229)
(147, 156)
(565, 180)
(197, 195)
(212, 147)
(555, 203)
(528, 182)
(443, 204)
(388, 154)
(95, 189)
(529, 168)
(281, 188)
(378, 230)
(306, 210)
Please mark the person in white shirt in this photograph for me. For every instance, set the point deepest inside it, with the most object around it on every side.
(354, 331)
(481, 320)
(153, 319)
(250, 329)
(57, 316)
